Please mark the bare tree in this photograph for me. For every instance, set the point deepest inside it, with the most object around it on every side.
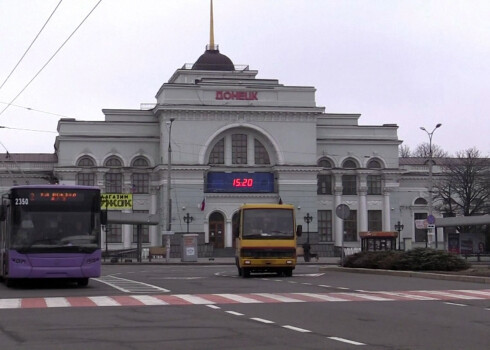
(423, 150)
(404, 151)
(463, 189)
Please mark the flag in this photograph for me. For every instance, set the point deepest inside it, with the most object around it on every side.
(280, 200)
(203, 203)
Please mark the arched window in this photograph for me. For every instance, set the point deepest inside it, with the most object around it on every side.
(140, 162)
(325, 163)
(349, 164)
(374, 164)
(113, 162)
(217, 155)
(114, 178)
(243, 147)
(85, 178)
(140, 180)
(261, 155)
(86, 161)
(239, 148)
(420, 201)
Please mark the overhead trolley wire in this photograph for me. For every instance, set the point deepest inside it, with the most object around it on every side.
(51, 58)
(32, 43)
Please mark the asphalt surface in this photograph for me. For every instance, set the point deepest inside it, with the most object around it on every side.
(333, 264)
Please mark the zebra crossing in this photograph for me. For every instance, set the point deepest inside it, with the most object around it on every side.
(245, 298)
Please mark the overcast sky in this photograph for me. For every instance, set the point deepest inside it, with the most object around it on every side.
(407, 62)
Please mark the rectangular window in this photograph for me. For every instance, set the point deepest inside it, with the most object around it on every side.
(114, 233)
(375, 220)
(349, 184)
(141, 183)
(350, 227)
(260, 153)
(145, 230)
(324, 184)
(113, 183)
(420, 233)
(325, 225)
(86, 179)
(374, 184)
(239, 148)
(217, 155)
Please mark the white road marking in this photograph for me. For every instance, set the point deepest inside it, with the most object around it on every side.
(455, 304)
(149, 300)
(129, 286)
(279, 298)
(57, 302)
(321, 297)
(297, 329)
(234, 313)
(343, 340)
(261, 320)
(104, 301)
(194, 299)
(10, 303)
(239, 298)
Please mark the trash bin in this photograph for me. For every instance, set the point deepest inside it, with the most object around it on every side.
(189, 247)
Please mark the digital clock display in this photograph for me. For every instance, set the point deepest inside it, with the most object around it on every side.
(220, 182)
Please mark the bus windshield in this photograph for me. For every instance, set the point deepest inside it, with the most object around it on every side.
(268, 224)
(42, 226)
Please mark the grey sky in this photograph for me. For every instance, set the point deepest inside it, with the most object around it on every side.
(411, 63)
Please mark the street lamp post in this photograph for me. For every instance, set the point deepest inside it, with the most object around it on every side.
(399, 228)
(430, 134)
(188, 219)
(308, 219)
(306, 246)
(168, 201)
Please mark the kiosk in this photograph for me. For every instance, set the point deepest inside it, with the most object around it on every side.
(378, 240)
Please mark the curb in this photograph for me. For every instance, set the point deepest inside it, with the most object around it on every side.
(428, 275)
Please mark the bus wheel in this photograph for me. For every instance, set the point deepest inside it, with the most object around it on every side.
(288, 272)
(82, 282)
(9, 282)
(240, 271)
(246, 273)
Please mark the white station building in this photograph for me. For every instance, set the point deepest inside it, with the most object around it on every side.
(224, 137)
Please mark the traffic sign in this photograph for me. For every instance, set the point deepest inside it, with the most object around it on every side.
(342, 211)
(431, 220)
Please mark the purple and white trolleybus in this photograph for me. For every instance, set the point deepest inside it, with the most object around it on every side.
(50, 231)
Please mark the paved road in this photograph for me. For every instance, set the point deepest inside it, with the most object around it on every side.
(209, 307)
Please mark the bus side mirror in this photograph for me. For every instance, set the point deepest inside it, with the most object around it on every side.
(299, 230)
(103, 217)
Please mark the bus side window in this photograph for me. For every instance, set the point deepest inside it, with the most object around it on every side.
(3, 210)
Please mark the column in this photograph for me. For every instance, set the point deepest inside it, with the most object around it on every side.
(363, 211)
(386, 210)
(338, 224)
(228, 234)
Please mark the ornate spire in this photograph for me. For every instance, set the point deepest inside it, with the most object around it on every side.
(211, 29)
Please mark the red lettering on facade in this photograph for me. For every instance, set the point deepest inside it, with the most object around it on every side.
(237, 95)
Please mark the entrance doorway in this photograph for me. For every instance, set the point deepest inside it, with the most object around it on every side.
(217, 230)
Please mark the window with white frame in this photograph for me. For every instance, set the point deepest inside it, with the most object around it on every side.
(325, 233)
(374, 184)
(241, 147)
